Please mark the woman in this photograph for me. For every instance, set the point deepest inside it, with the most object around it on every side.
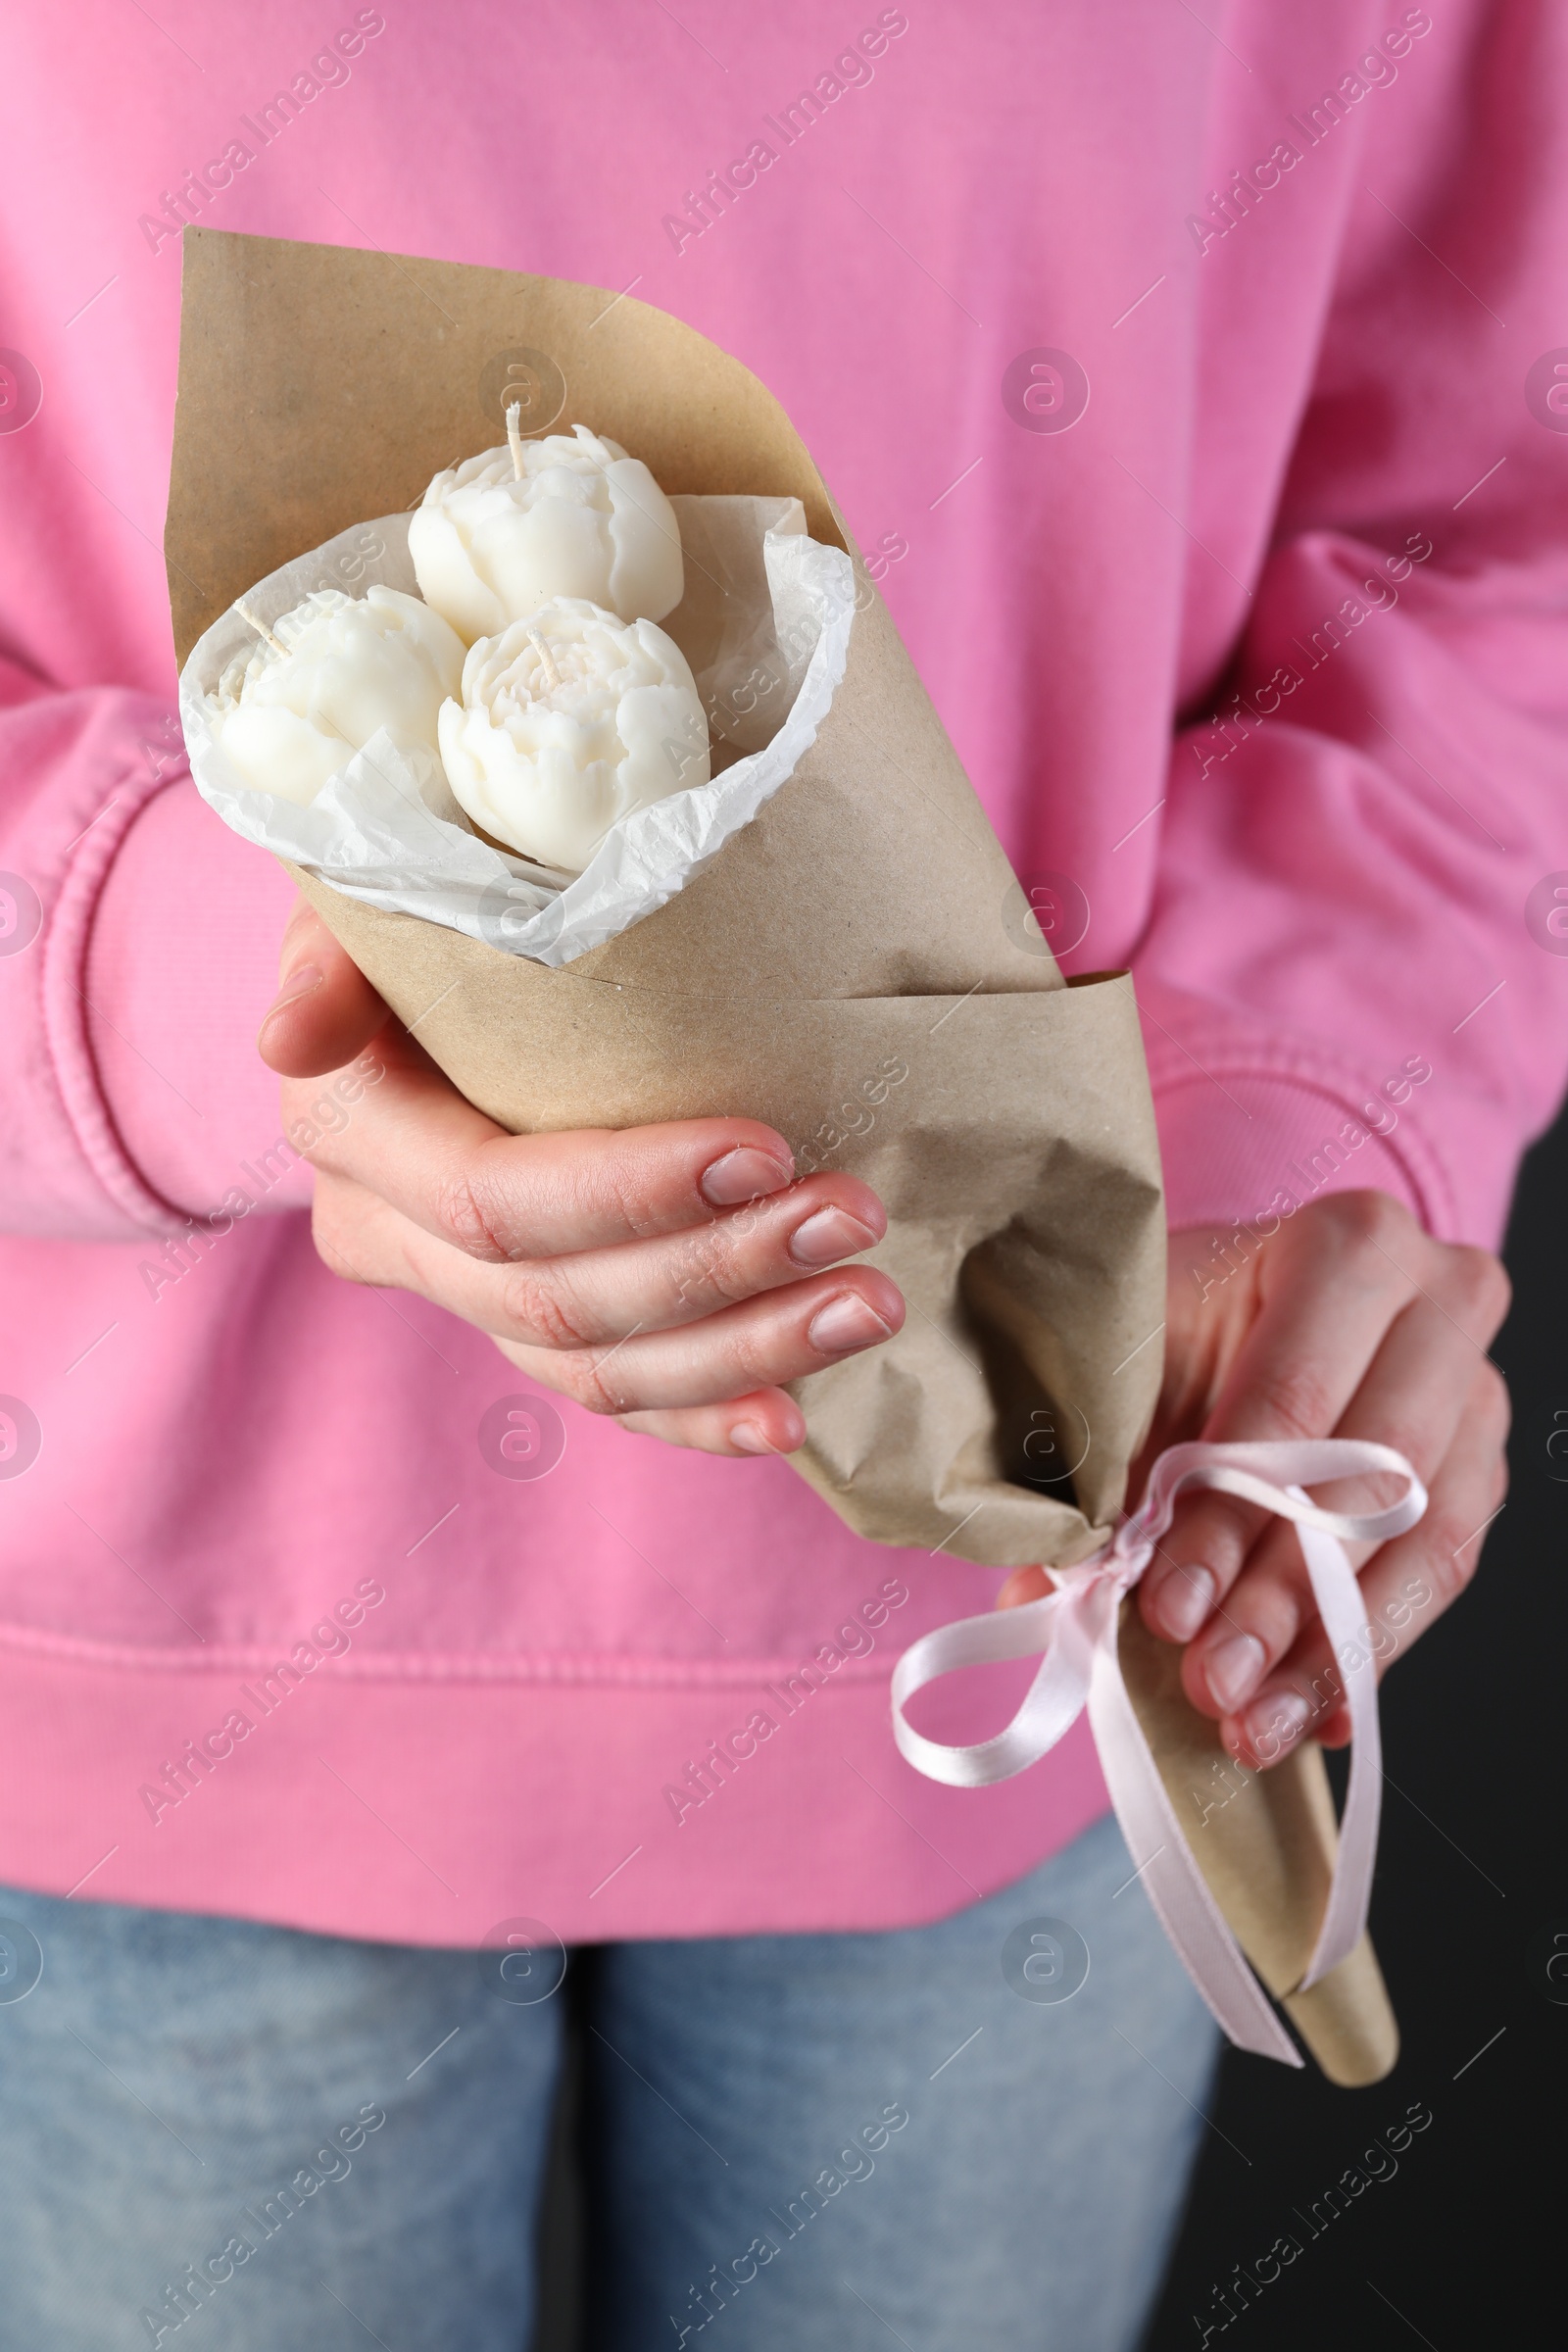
(1162, 375)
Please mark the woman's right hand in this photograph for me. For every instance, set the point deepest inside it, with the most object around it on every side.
(671, 1276)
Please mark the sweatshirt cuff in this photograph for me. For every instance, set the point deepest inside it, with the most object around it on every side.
(181, 965)
(82, 765)
(1241, 1147)
(1254, 1126)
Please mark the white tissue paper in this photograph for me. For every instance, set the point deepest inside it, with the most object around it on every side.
(764, 625)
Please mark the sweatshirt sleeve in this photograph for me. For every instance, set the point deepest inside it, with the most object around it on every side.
(138, 948)
(1356, 967)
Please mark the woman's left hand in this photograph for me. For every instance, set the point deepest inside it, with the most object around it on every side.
(1352, 1322)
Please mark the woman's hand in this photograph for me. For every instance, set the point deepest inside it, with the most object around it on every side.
(1349, 1322)
(671, 1275)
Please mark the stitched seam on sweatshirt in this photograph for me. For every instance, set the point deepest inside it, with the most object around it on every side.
(566, 1669)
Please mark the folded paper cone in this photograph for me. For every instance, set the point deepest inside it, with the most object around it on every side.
(856, 966)
(1265, 1842)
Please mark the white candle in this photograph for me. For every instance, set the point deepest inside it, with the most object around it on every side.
(569, 720)
(559, 516)
(292, 712)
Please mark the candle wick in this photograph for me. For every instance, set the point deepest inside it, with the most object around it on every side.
(261, 627)
(552, 674)
(514, 438)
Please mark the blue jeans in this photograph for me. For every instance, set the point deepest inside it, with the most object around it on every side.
(269, 2138)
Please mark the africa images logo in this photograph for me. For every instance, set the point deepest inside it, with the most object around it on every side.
(522, 1436)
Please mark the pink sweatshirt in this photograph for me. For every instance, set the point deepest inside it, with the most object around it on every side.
(1195, 392)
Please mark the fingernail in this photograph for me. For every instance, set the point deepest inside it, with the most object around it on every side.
(748, 1437)
(298, 983)
(741, 1176)
(1232, 1669)
(1275, 1722)
(1184, 1600)
(831, 1234)
(846, 1323)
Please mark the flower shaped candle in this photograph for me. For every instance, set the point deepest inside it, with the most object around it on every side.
(570, 719)
(561, 516)
(293, 711)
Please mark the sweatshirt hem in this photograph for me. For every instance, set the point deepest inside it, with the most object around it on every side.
(442, 1814)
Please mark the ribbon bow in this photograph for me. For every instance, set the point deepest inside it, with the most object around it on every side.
(1074, 1626)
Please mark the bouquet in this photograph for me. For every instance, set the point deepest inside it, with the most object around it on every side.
(597, 750)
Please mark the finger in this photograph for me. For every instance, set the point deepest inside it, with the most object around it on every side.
(598, 1296)
(1408, 1585)
(326, 1011)
(505, 1198)
(594, 1298)
(1338, 1291)
(1023, 1585)
(1422, 1381)
(783, 1336)
(759, 1342)
(764, 1422)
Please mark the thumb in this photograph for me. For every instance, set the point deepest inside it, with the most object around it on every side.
(326, 1011)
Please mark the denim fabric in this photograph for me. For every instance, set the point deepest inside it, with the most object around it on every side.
(787, 2139)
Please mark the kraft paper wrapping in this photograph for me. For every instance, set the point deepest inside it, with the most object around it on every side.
(862, 923)
(855, 967)
(1265, 1842)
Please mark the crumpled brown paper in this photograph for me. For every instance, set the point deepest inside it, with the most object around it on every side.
(856, 966)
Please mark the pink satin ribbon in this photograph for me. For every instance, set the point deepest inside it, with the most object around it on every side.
(1074, 1626)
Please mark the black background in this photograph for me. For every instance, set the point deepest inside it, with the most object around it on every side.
(1471, 1867)
(1461, 2243)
